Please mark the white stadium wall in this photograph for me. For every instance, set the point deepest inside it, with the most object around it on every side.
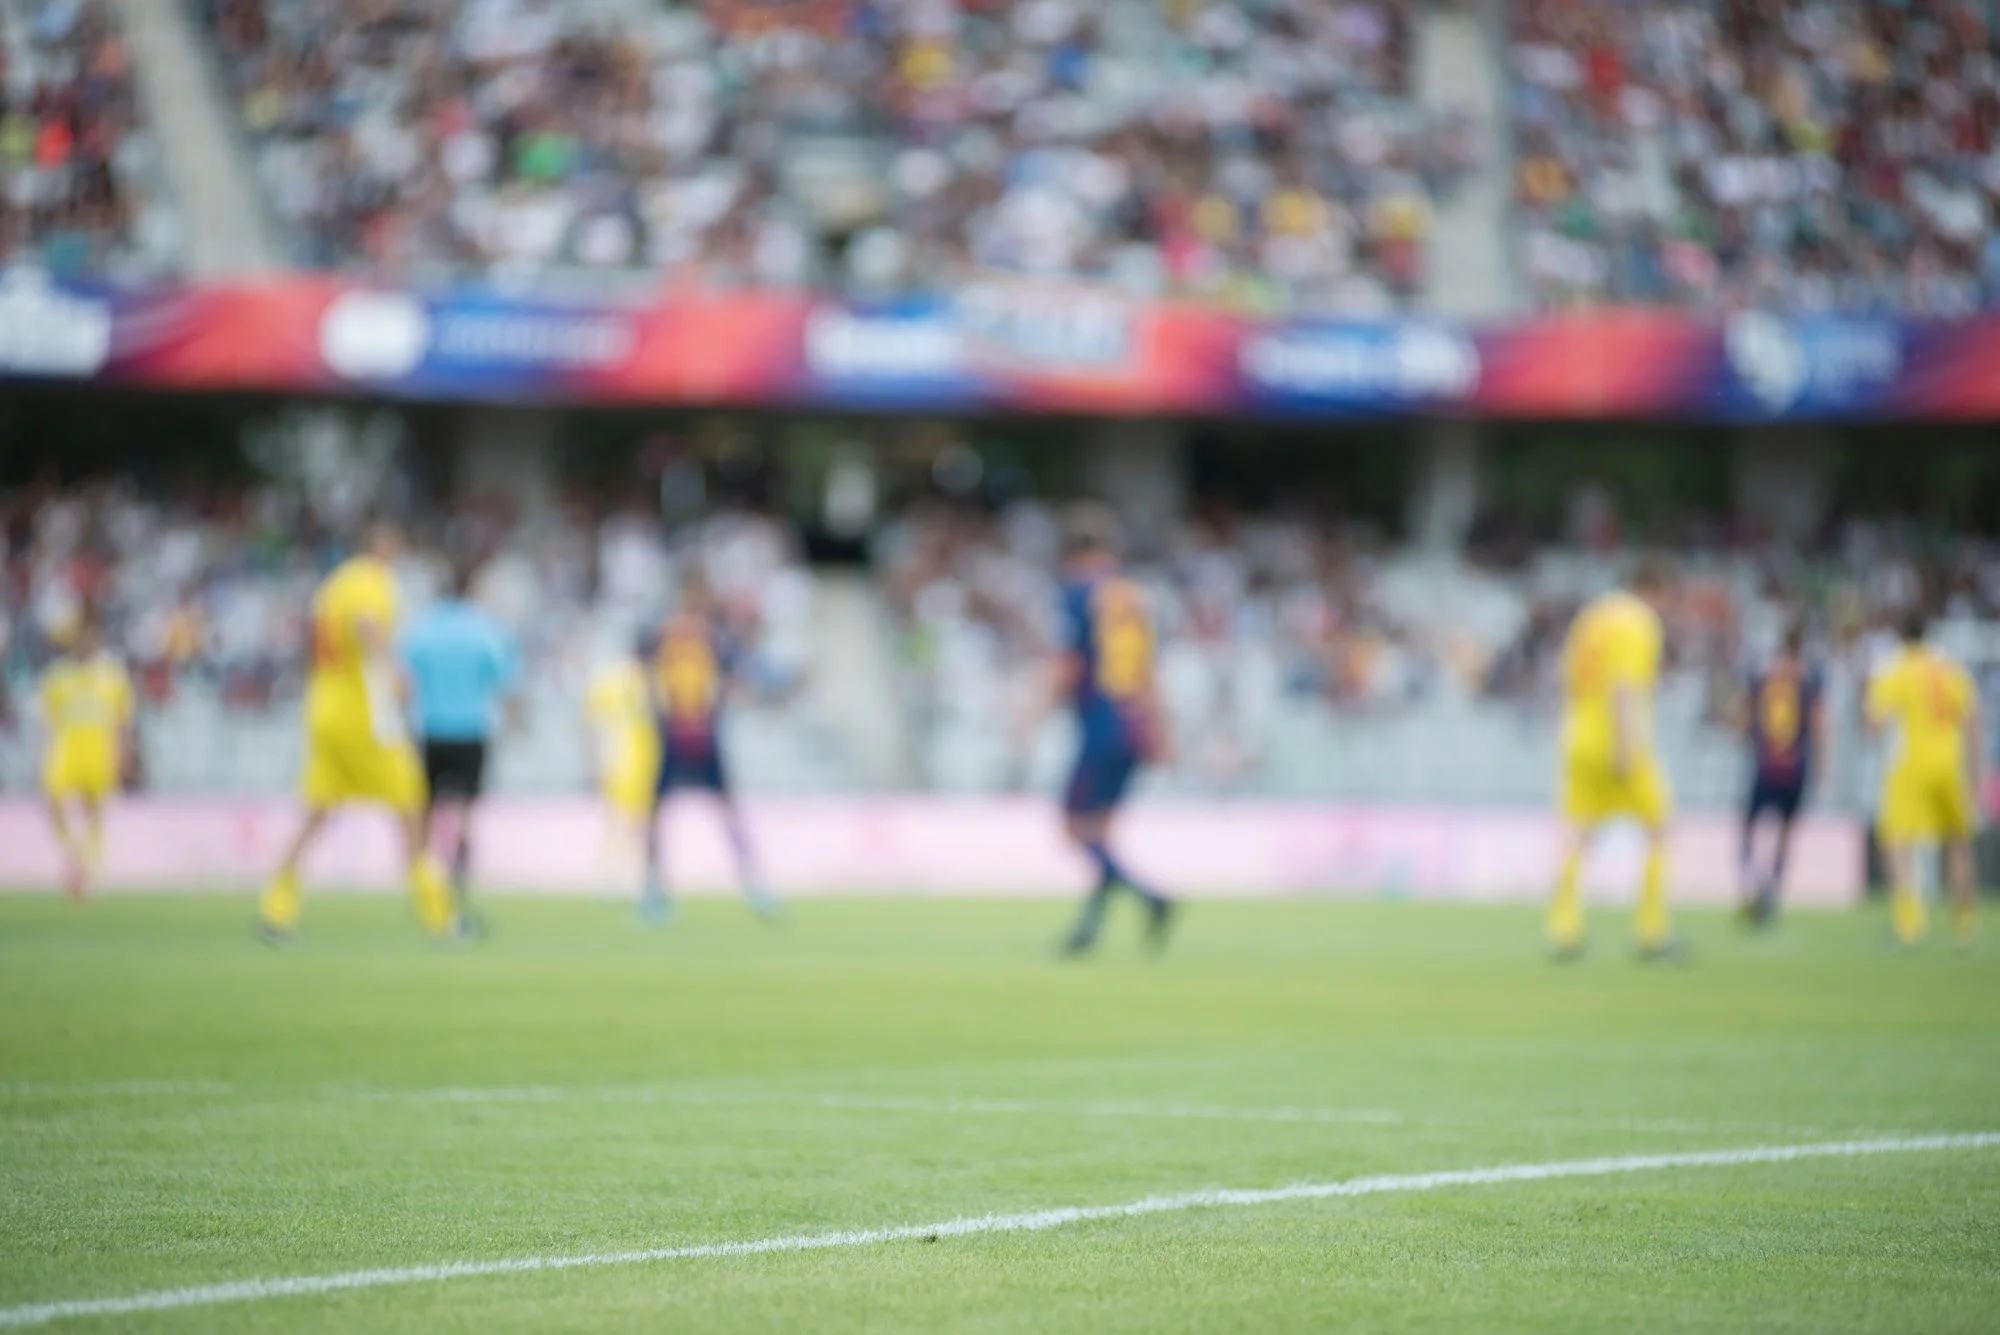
(946, 846)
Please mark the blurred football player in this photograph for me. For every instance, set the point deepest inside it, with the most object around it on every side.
(1785, 726)
(624, 751)
(358, 747)
(1104, 675)
(1934, 774)
(462, 670)
(1610, 770)
(86, 701)
(691, 667)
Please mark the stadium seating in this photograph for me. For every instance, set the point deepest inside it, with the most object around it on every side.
(1266, 155)
(1782, 156)
(80, 180)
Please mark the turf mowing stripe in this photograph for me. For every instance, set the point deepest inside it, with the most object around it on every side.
(886, 1103)
(254, 1290)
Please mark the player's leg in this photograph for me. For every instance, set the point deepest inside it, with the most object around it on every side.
(1908, 919)
(92, 806)
(755, 891)
(656, 906)
(1095, 791)
(1088, 832)
(1652, 926)
(1960, 869)
(1565, 924)
(1582, 801)
(1749, 880)
(1781, 850)
(66, 841)
(430, 892)
(1961, 875)
(59, 787)
(394, 776)
(1906, 822)
(279, 906)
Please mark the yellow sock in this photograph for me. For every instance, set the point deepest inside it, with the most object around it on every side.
(1565, 925)
(93, 847)
(1649, 922)
(278, 907)
(432, 894)
(1907, 915)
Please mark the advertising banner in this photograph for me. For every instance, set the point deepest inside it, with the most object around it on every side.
(946, 846)
(995, 345)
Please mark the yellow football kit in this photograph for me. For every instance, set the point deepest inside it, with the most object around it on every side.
(628, 744)
(1613, 648)
(1927, 700)
(1614, 644)
(357, 747)
(87, 704)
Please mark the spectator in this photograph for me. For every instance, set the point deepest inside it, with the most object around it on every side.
(1264, 155)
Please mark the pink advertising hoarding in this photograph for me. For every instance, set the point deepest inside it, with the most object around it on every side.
(946, 846)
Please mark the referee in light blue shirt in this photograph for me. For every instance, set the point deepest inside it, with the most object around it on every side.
(463, 670)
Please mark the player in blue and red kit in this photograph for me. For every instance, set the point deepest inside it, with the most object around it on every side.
(1786, 729)
(690, 664)
(1105, 674)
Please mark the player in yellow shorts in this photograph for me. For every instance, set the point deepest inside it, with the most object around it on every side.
(1929, 787)
(625, 752)
(87, 704)
(1610, 770)
(358, 748)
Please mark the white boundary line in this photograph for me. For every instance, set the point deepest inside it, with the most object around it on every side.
(257, 1290)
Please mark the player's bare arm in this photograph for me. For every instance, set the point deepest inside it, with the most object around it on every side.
(1975, 759)
(1626, 729)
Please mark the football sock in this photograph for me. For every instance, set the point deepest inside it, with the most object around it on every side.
(93, 844)
(1649, 922)
(1907, 915)
(1778, 860)
(1565, 924)
(739, 844)
(1110, 873)
(1091, 918)
(461, 859)
(432, 895)
(278, 906)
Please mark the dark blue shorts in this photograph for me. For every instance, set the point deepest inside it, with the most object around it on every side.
(1780, 795)
(1103, 772)
(691, 767)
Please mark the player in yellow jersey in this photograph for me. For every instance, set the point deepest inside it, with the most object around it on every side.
(625, 751)
(1610, 770)
(358, 747)
(1930, 785)
(86, 702)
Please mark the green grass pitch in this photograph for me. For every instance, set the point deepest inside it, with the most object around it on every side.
(179, 1106)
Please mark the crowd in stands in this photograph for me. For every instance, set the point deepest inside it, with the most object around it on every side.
(78, 174)
(1264, 153)
(1806, 155)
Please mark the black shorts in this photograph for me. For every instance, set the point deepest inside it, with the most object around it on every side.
(1777, 795)
(454, 769)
